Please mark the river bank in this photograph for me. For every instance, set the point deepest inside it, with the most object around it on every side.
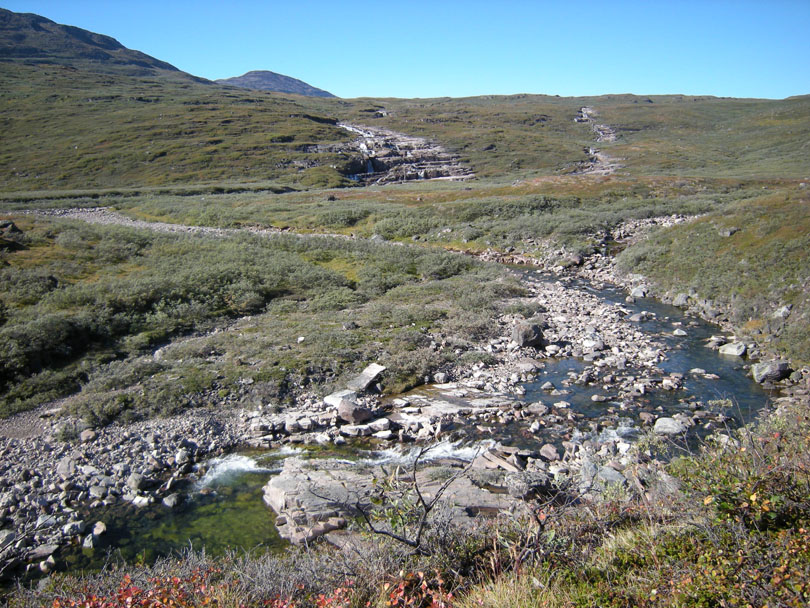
(55, 469)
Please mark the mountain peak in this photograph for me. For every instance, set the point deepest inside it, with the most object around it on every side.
(29, 38)
(270, 81)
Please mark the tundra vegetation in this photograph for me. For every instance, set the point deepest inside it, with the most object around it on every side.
(133, 323)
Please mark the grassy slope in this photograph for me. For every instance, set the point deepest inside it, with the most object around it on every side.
(85, 306)
(64, 129)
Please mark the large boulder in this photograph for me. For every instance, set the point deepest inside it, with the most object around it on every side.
(668, 426)
(736, 349)
(770, 371)
(367, 376)
(354, 413)
(527, 334)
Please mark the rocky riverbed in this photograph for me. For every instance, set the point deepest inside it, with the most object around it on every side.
(528, 428)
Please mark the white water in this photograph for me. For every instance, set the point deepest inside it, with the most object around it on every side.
(444, 449)
(222, 470)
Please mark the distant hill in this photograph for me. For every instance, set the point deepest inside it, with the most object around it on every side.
(32, 39)
(270, 81)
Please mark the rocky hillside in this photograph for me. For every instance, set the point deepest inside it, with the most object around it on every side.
(32, 39)
(264, 80)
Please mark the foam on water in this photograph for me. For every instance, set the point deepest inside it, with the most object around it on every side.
(221, 470)
(443, 449)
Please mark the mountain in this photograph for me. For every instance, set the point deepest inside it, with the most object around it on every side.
(270, 81)
(32, 39)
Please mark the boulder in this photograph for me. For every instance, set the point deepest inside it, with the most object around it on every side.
(42, 552)
(549, 452)
(356, 430)
(526, 485)
(354, 413)
(668, 426)
(6, 538)
(770, 371)
(182, 456)
(735, 349)
(527, 334)
(640, 292)
(136, 481)
(338, 397)
(73, 528)
(87, 435)
(609, 476)
(367, 376)
(172, 500)
(681, 300)
(66, 467)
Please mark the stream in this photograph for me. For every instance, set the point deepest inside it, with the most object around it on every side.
(223, 509)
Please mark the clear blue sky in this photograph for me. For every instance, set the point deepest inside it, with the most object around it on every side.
(415, 48)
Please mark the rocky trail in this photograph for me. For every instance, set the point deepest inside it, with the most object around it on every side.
(598, 163)
(563, 403)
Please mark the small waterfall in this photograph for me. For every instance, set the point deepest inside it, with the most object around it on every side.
(369, 166)
(221, 470)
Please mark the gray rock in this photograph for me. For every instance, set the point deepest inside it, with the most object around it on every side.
(679, 332)
(98, 492)
(770, 371)
(99, 529)
(549, 452)
(42, 552)
(291, 425)
(527, 334)
(338, 397)
(87, 435)
(181, 457)
(353, 413)
(640, 292)
(136, 481)
(356, 430)
(539, 408)
(66, 467)
(142, 501)
(526, 485)
(609, 475)
(668, 426)
(6, 538)
(681, 300)
(736, 349)
(89, 542)
(381, 424)
(172, 500)
(366, 377)
(45, 521)
(73, 528)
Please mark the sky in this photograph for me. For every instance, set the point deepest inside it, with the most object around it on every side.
(416, 48)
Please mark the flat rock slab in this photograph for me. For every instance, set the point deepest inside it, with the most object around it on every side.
(338, 397)
(313, 498)
(366, 377)
(734, 349)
